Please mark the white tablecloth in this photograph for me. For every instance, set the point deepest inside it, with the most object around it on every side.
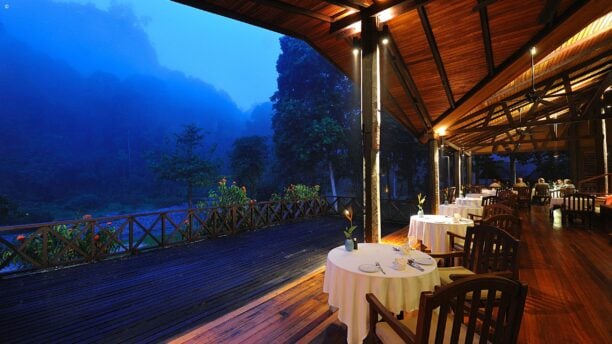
(452, 209)
(432, 230)
(556, 202)
(483, 193)
(397, 290)
(469, 201)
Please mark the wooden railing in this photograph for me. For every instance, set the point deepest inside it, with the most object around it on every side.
(593, 185)
(45, 245)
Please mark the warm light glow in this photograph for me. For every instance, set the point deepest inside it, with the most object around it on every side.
(385, 15)
(346, 212)
(355, 27)
(441, 132)
(385, 41)
(533, 51)
(355, 51)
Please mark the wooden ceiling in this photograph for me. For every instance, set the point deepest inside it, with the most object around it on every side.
(463, 67)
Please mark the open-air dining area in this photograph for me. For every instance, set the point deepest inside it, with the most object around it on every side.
(508, 240)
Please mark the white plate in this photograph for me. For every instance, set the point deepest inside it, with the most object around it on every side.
(368, 268)
(424, 260)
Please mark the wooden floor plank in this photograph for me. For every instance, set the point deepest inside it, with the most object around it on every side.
(569, 300)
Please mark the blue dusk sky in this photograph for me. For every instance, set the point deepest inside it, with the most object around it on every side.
(235, 57)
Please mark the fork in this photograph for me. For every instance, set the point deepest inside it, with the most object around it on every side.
(381, 269)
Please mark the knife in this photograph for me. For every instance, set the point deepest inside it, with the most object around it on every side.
(381, 269)
(415, 265)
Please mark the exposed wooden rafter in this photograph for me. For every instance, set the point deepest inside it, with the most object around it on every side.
(575, 18)
(486, 39)
(349, 5)
(403, 74)
(436, 55)
(294, 9)
(397, 6)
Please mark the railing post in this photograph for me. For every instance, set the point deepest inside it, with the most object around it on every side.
(251, 215)
(233, 212)
(92, 228)
(163, 229)
(131, 233)
(190, 225)
(45, 250)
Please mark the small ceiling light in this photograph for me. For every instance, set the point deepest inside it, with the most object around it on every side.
(356, 45)
(355, 51)
(532, 51)
(385, 15)
(441, 132)
(385, 41)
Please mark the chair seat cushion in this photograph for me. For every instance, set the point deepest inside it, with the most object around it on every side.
(385, 333)
(453, 270)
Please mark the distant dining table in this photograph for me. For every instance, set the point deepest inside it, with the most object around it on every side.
(463, 211)
(349, 276)
(431, 229)
(469, 201)
(483, 193)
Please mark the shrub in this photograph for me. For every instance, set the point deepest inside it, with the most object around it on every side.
(228, 196)
(297, 192)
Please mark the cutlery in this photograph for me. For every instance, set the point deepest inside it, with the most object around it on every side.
(415, 265)
(381, 269)
(396, 249)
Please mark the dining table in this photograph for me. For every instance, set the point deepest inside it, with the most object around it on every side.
(431, 229)
(463, 210)
(349, 276)
(469, 201)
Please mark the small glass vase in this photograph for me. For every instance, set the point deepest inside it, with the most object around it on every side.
(420, 213)
(348, 245)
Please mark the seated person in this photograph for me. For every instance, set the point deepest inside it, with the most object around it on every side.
(495, 184)
(568, 188)
(559, 184)
(541, 191)
(520, 183)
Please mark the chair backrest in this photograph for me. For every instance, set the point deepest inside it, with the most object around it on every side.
(541, 189)
(555, 193)
(490, 249)
(452, 194)
(504, 194)
(496, 209)
(488, 200)
(499, 325)
(579, 202)
(475, 188)
(523, 192)
(507, 222)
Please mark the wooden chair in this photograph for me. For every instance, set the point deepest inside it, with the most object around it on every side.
(436, 319)
(487, 249)
(488, 200)
(491, 210)
(452, 194)
(507, 222)
(580, 206)
(541, 194)
(524, 196)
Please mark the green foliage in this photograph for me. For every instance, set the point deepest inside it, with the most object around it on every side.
(314, 107)
(248, 160)
(81, 235)
(228, 196)
(186, 164)
(348, 232)
(298, 192)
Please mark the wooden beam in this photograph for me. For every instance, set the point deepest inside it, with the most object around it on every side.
(398, 7)
(486, 39)
(482, 4)
(524, 141)
(407, 82)
(287, 7)
(548, 12)
(549, 38)
(349, 5)
(433, 46)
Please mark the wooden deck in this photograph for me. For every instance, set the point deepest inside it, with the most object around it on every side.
(568, 271)
(159, 294)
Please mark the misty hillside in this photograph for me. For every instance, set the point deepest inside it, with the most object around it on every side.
(80, 129)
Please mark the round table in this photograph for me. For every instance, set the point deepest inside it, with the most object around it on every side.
(452, 209)
(469, 201)
(397, 290)
(431, 229)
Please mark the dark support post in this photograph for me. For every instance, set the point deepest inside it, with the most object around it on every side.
(573, 154)
(512, 169)
(434, 176)
(468, 165)
(370, 112)
(457, 174)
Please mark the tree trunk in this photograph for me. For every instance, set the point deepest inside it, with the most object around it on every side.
(333, 183)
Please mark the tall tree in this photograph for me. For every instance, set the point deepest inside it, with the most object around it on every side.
(187, 163)
(314, 110)
(248, 160)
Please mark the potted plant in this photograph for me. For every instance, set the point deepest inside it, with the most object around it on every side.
(348, 232)
(420, 202)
